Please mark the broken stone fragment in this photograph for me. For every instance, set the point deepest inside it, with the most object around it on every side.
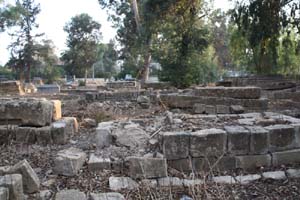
(57, 110)
(69, 161)
(237, 109)
(45, 195)
(131, 137)
(103, 137)
(98, 163)
(276, 175)
(120, 183)
(31, 182)
(140, 167)
(70, 195)
(14, 184)
(107, 196)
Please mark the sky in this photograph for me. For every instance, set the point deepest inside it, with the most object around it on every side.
(56, 13)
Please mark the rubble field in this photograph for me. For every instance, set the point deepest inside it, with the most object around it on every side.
(132, 143)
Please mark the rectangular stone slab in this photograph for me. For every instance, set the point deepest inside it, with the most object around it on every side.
(22, 111)
(232, 92)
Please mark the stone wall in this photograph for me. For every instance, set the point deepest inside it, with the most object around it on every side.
(123, 85)
(189, 101)
(11, 88)
(246, 147)
(230, 92)
(115, 96)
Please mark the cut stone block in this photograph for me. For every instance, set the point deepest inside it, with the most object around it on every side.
(253, 162)
(70, 195)
(97, 163)
(14, 184)
(247, 178)
(293, 173)
(170, 182)
(224, 179)
(149, 183)
(4, 193)
(72, 125)
(43, 135)
(69, 161)
(30, 112)
(103, 137)
(282, 137)
(222, 109)
(214, 164)
(107, 196)
(59, 132)
(182, 165)
(259, 141)
(120, 183)
(176, 145)
(286, 157)
(199, 108)
(277, 175)
(26, 135)
(6, 133)
(31, 182)
(140, 167)
(297, 134)
(57, 110)
(211, 110)
(238, 140)
(209, 142)
(232, 92)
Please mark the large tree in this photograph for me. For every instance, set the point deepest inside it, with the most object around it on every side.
(9, 15)
(82, 42)
(262, 22)
(22, 49)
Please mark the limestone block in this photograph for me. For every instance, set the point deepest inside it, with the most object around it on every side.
(224, 179)
(30, 112)
(26, 135)
(199, 108)
(259, 140)
(277, 175)
(107, 196)
(211, 110)
(103, 137)
(69, 161)
(182, 165)
(14, 184)
(282, 137)
(56, 110)
(238, 140)
(223, 109)
(43, 135)
(120, 183)
(293, 173)
(98, 163)
(286, 157)
(253, 162)
(70, 195)
(170, 182)
(59, 132)
(247, 178)
(141, 167)
(209, 142)
(214, 164)
(31, 182)
(176, 145)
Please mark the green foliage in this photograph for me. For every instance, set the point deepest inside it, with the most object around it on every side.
(7, 73)
(23, 49)
(105, 67)
(9, 15)
(81, 83)
(83, 39)
(262, 22)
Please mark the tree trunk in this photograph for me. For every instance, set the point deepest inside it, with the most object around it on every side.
(136, 15)
(85, 76)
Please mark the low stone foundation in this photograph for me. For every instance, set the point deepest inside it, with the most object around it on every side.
(10, 88)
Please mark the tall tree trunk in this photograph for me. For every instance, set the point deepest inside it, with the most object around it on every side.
(135, 9)
(85, 76)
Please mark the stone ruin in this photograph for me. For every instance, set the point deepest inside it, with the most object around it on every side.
(220, 129)
(10, 88)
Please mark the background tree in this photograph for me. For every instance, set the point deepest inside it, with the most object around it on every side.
(9, 15)
(262, 22)
(22, 49)
(82, 42)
